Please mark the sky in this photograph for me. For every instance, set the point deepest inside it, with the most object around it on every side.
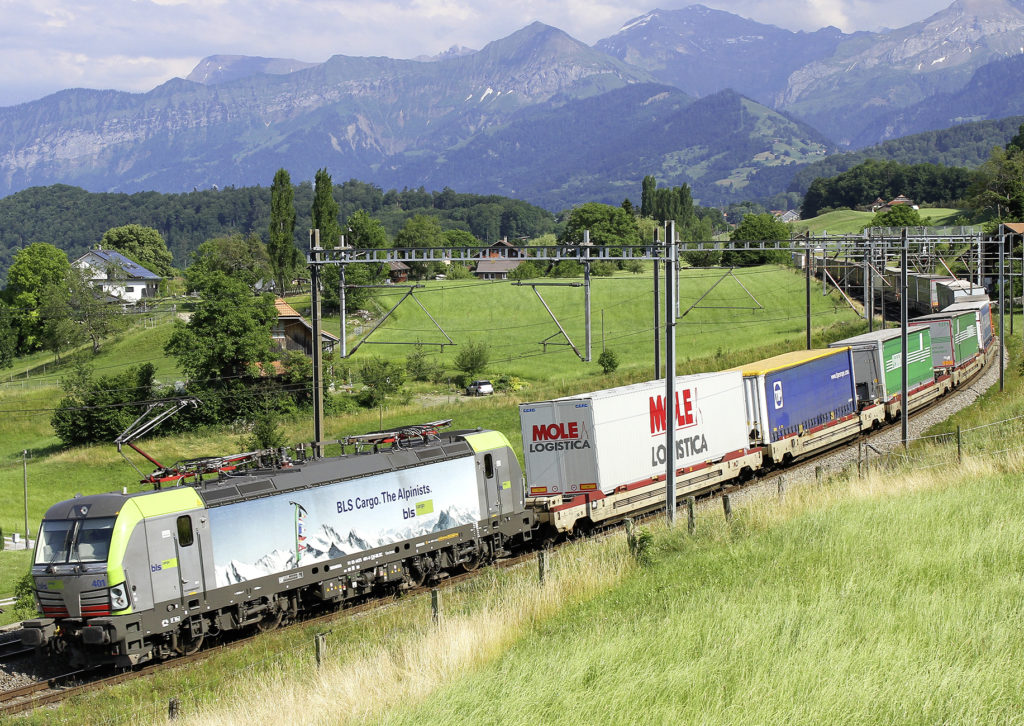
(135, 45)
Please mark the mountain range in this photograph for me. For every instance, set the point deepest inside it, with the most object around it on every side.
(727, 105)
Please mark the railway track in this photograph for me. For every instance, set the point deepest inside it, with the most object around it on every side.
(55, 689)
(58, 688)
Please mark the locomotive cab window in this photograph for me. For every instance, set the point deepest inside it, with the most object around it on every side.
(184, 530)
(74, 541)
(488, 466)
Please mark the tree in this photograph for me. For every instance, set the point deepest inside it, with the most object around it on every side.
(460, 238)
(998, 185)
(526, 271)
(757, 228)
(58, 332)
(364, 233)
(418, 232)
(241, 258)
(143, 245)
(284, 256)
(34, 269)
(8, 337)
(94, 410)
(647, 188)
(902, 215)
(227, 334)
(96, 319)
(324, 212)
(382, 379)
(472, 359)
(608, 225)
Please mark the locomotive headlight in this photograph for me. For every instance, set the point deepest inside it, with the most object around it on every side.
(119, 597)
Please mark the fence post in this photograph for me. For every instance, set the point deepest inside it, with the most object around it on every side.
(959, 447)
(818, 474)
(860, 459)
(691, 515)
(320, 639)
(435, 605)
(542, 564)
(781, 488)
(727, 506)
(173, 709)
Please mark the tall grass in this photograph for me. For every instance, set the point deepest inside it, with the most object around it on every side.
(895, 599)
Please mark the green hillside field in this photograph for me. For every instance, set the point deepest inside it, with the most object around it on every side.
(848, 221)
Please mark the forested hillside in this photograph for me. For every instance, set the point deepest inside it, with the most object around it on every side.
(75, 220)
(967, 145)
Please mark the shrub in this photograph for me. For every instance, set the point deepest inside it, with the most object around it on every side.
(472, 359)
(609, 361)
(507, 383)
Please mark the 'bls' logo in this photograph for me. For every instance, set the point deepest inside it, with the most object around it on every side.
(684, 411)
(556, 432)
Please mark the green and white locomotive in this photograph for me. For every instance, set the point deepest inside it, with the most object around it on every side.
(126, 578)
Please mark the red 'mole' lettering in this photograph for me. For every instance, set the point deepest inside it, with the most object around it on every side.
(554, 432)
(684, 411)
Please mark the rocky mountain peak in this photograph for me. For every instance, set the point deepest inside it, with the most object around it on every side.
(217, 69)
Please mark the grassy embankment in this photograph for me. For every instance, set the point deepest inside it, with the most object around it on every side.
(892, 598)
(848, 221)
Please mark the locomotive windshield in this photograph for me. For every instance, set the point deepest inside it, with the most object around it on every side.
(74, 540)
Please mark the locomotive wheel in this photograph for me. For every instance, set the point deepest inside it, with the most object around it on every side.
(188, 645)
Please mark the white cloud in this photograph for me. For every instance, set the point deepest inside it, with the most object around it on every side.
(46, 45)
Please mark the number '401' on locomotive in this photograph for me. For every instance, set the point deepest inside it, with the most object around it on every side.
(127, 578)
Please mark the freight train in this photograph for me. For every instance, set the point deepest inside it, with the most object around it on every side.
(123, 578)
(926, 293)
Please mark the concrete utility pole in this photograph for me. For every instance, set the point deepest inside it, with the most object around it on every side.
(904, 408)
(586, 291)
(1002, 303)
(318, 351)
(807, 284)
(670, 375)
(657, 309)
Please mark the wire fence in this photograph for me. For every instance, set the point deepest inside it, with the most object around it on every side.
(931, 451)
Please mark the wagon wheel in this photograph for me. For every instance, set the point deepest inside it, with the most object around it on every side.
(473, 561)
(270, 621)
(420, 570)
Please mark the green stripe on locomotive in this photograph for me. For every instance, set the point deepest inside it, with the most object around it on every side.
(135, 509)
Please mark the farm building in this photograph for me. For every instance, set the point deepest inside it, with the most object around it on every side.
(294, 332)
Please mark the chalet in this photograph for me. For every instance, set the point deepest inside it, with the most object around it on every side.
(786, 215)
(496, 269)
(293, 332)
(498, 260)
(117, 276)
(398, 271)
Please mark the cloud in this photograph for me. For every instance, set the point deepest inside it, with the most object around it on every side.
(134, 45)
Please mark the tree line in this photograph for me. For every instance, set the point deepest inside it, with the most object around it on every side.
(74, 220)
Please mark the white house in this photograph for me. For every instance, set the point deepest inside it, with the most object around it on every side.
(116, 275)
